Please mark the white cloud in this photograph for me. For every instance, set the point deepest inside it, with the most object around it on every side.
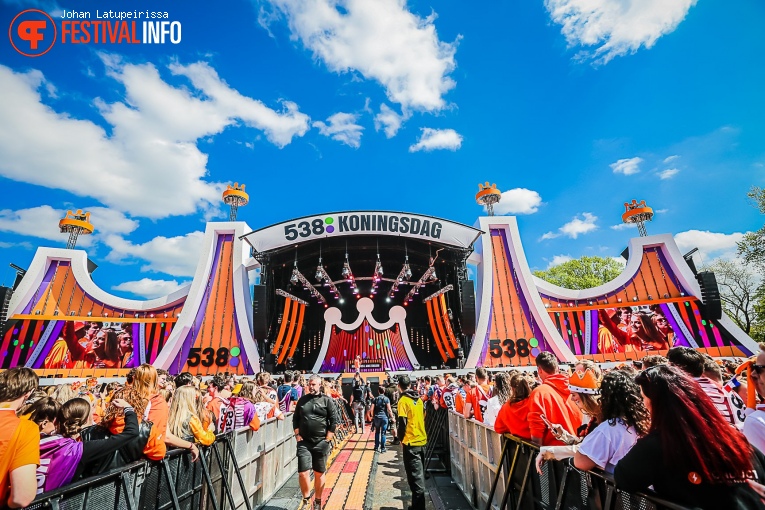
(627, 166)
(518, 201)
(388, 120)
(577, 226)
(670, 159)
(623, 226)
(668, 173)
(611, 28)
(148, 288)
(549, 235)
(710, 244)
(343, 128)
(574, 228)
(148, 162)
(558, 260)
(432, 139)
(661, 211)
(380, 39)
(42, 222)
(176, 256)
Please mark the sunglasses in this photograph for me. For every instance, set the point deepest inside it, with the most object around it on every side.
(757, 368)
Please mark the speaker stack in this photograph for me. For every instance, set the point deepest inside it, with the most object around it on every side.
(710, 294)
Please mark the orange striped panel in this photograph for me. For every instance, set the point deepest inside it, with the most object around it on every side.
(434, 329)
(290, 329)
(448, 325)
(439, 314)
(296, 341)
(282, 326)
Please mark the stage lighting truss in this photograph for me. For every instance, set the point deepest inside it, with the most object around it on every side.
(427, 277)
(403, 277)
(348, 275)
(378, 274)
(436, 294)
(322, 276)
(286, 294)
(297, 276)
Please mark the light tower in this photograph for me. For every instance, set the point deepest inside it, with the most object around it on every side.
(75, 224)
(637, 213)
(234, 196)
(488, 196)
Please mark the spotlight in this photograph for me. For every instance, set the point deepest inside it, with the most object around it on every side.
(294, 278)
(387, 300)
(342, 301)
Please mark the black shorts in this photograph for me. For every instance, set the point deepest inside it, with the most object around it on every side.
(313, 456)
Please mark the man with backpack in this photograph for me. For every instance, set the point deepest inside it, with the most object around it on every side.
(286, 393)
(359, 397)
(382, 414)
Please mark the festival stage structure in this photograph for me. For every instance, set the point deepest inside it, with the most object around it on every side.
(391, 288)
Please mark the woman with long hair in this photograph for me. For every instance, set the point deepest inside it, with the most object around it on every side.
(691, 454)
(513, 416)
(622, 420)
(500, 395)
(264, 407)
(64, 456)
(184, 421)
(641, 334)
(144, 384)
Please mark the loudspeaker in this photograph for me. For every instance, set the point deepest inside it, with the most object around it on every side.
(710, 294)
(467, 317)
(259, 312)
(5, 301)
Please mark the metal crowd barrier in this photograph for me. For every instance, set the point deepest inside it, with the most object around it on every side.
(242, 470)
(499, 472)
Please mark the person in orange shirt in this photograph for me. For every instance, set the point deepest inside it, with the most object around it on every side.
(550, 403)
(19, 440)
(513, 416)
(477, 396)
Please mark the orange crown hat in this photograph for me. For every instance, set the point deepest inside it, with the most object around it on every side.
(78, 325)
(751, 391)
(584, 381)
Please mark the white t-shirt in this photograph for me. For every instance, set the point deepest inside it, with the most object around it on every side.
(491, 412)
(606, 445)
(754, 428)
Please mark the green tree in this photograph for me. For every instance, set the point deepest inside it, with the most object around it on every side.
(582, 273)
(752, 247)
(740, 292)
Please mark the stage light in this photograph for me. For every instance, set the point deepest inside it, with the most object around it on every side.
(342, 301)
(387, 300)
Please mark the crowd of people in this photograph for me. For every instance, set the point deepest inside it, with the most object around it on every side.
(686, 426)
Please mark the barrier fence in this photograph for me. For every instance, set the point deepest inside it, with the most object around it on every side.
(499, 472)
(242, 470)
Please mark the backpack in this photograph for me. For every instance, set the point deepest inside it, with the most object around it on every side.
(359, 392)
(380, 407)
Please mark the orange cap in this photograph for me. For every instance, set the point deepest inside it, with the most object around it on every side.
(584, 381)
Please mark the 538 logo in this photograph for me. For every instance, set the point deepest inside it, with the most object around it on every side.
(32, 33)
(304, 229)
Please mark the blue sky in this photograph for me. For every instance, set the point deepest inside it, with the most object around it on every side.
(572, 107)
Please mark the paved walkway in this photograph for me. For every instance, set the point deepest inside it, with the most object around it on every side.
(358, 478)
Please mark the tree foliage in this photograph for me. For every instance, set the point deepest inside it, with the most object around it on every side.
(582, 273)
(739, 292)
(752, 247)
